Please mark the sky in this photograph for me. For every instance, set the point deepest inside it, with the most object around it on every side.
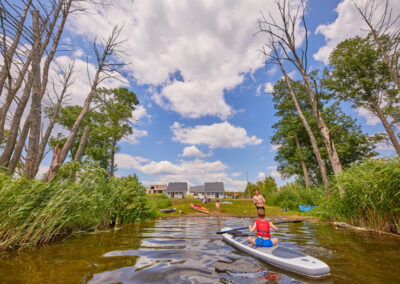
(206, 110)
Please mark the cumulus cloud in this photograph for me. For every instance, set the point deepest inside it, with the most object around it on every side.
(273, 172)
(236, 174)
(347, 24)
(196, 171)
(210, 44)
(275, 147)
(269, 88)
(217, 135)
(193, 151)
(370, 117)
(261, 176)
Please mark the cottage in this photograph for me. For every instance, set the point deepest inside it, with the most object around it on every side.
(197, 191)
(177, 189)
(156, 188)
(209, 189)
(214, 189)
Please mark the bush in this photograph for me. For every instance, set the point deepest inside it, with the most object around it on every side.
(158, 201)
(372, 195)
(35, 212)
(292, 195)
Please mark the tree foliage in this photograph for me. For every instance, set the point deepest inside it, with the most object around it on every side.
(351, 144)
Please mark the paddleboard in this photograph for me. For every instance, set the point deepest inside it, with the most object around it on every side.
(280, 256)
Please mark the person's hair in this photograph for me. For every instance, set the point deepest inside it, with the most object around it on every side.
(217, 200)
(261, 213)
(256, 189)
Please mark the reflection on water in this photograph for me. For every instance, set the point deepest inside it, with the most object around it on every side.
(187, 250)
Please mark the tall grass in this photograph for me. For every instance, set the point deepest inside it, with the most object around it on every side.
(292, 195)
(372, 195)
(33, 212)
(159, 201)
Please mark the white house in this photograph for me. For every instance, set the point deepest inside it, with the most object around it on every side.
(176, 189)
(209, 189)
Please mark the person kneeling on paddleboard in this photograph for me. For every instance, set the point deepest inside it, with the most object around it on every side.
(263, 231)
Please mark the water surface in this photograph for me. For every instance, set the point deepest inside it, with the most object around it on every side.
(187, 250)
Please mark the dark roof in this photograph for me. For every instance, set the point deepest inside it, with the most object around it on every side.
(177, 187)
(198, 188)
(214, 187)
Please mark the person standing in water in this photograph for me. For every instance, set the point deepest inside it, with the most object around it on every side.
(217, 205)
(258, 200)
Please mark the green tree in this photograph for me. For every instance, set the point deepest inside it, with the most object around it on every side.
(359, 74)
(265, 187)
(351, 144)
(109, 123)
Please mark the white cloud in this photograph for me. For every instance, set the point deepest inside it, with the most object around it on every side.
(370, 117)
(269, 88)
(195, 171)
(275, 174)
(384, 146)
(348, 24)
(236, 174)
(261, 176)
(140, 112)
(42, 170)
(209, 43)
(217, 135)
(193, 151)
(258, 91)
(275, 147)
(272, 168)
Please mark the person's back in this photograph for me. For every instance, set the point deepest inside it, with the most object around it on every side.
(263, 231)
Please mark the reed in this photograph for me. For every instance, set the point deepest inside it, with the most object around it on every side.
(372, 195)
(292, 195)
(33, 212)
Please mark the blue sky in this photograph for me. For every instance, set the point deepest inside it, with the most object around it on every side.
(204, 115)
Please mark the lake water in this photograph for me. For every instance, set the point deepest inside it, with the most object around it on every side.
(187, 250)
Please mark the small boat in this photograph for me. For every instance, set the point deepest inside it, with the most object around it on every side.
(168, 210)
(199, 208)
(279, 256)
(305, 208)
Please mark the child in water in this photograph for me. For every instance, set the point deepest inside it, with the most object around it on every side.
(217, 205)
(263, 231)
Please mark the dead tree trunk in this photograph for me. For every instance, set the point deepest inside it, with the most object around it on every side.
(8, 150)
(114, 145)
(387, 126)
(9, 52)
(36, 106)
(55, 163)
(303, 164)
(82, 144)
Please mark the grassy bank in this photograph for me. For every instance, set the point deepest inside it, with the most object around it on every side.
(33, 212)
(238, 208)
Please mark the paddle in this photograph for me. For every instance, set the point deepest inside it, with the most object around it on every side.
(275, 223)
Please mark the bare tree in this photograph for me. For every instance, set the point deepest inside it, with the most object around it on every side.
(36, 108)
(23, 100)
(387, 25)
(105, 52)
(274, 57)
(303, 163)
(283, 32)
(63, 8)
(66, 82)
(82, 144)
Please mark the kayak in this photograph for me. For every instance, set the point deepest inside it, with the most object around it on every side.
(306, 208)
(169, 210)
(280, 256)
(199, 208)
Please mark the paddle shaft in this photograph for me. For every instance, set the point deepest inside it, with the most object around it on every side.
(243, 228)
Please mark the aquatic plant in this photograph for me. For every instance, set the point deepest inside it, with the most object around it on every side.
(372, 195)
(34, 212)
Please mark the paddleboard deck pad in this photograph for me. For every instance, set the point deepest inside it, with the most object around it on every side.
(280, 256)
